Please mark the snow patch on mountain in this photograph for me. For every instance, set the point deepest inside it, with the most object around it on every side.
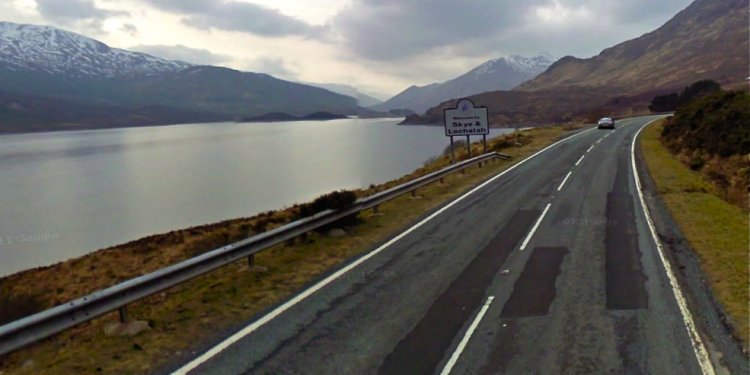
(527, 66)
(502, 73)
(51, 50)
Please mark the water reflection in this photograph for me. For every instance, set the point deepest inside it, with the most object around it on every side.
(69, 193)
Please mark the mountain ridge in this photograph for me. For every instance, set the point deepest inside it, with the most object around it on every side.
(55, 51)
(498, 73)
(623, 79)
(683, 50)
(45, 67)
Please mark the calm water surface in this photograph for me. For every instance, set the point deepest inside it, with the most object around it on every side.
(64, 194)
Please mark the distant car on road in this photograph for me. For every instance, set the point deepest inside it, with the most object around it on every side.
(606, 123)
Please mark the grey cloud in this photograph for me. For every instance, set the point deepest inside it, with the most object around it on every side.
(391, 29)
(238, 16)
(129, 28)
(274, 66)
(72, 11)
(385, 30)
(182, 53)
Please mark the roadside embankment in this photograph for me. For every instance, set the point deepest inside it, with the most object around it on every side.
(715, 229)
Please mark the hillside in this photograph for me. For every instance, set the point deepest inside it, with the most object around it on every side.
(22, 113)
(363, 100)
(502, 73)
(707, 40)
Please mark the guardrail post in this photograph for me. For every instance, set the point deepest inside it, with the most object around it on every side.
(480, 165)
(251, 261)
(442, 180)
(414, 193)
(376, 209)
(123, 311)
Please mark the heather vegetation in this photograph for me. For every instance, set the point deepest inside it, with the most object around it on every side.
(670, 102)
(712, 135)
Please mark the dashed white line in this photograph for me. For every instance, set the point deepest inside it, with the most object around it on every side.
(590, 148)
(252, 327)
(600, 139)
(699, 349)
(538, 221)
(580, 160)
(564, 180)
(467, 336)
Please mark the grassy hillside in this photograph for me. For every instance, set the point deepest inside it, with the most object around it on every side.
(711, 135)
(707, 40)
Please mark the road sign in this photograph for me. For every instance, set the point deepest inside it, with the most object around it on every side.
(466, 119)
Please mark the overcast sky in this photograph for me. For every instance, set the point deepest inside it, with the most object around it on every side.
(379, 46)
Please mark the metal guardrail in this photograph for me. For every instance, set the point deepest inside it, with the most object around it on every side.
(33, 328)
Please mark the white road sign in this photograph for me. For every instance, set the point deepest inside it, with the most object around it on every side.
(466, 119)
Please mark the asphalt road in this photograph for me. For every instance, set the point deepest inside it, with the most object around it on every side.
(550, 268)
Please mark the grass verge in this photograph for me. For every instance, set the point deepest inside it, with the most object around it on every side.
(715, 229)
(200, 310)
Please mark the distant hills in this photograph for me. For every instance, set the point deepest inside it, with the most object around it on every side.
(43, 67)
(363, 99)
(283, 116)
(706, 40)
(502, 73)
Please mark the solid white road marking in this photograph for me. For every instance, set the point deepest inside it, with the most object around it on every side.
(701, 354)
(533, 229)
(579, 160)
(467, 336)
(590, 148)
(564, 180)
(322, 283)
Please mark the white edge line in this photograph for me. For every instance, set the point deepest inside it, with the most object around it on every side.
(319, 285)
(701, 354)
(531, 233)
(564, 180)
(580, 160)
(467, 336)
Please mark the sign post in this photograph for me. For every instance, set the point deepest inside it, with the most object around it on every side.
(468, 120)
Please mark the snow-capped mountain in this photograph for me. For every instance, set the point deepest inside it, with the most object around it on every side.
(502, 73)
(51, 50)
(524, 66)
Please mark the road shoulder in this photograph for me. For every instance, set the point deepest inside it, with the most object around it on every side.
(725, 347)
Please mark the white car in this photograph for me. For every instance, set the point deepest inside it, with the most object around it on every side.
(606, 123)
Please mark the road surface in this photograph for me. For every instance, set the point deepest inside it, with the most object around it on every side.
(550, 268)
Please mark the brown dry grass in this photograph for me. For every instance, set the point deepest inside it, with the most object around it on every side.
(197, 311)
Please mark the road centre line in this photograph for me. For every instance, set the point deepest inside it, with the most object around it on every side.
(600, 139)
(579, 160)
(590, 148)
(699, 349)
(533, 229)
(467, 336)
(564, 180)
(255, 325)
